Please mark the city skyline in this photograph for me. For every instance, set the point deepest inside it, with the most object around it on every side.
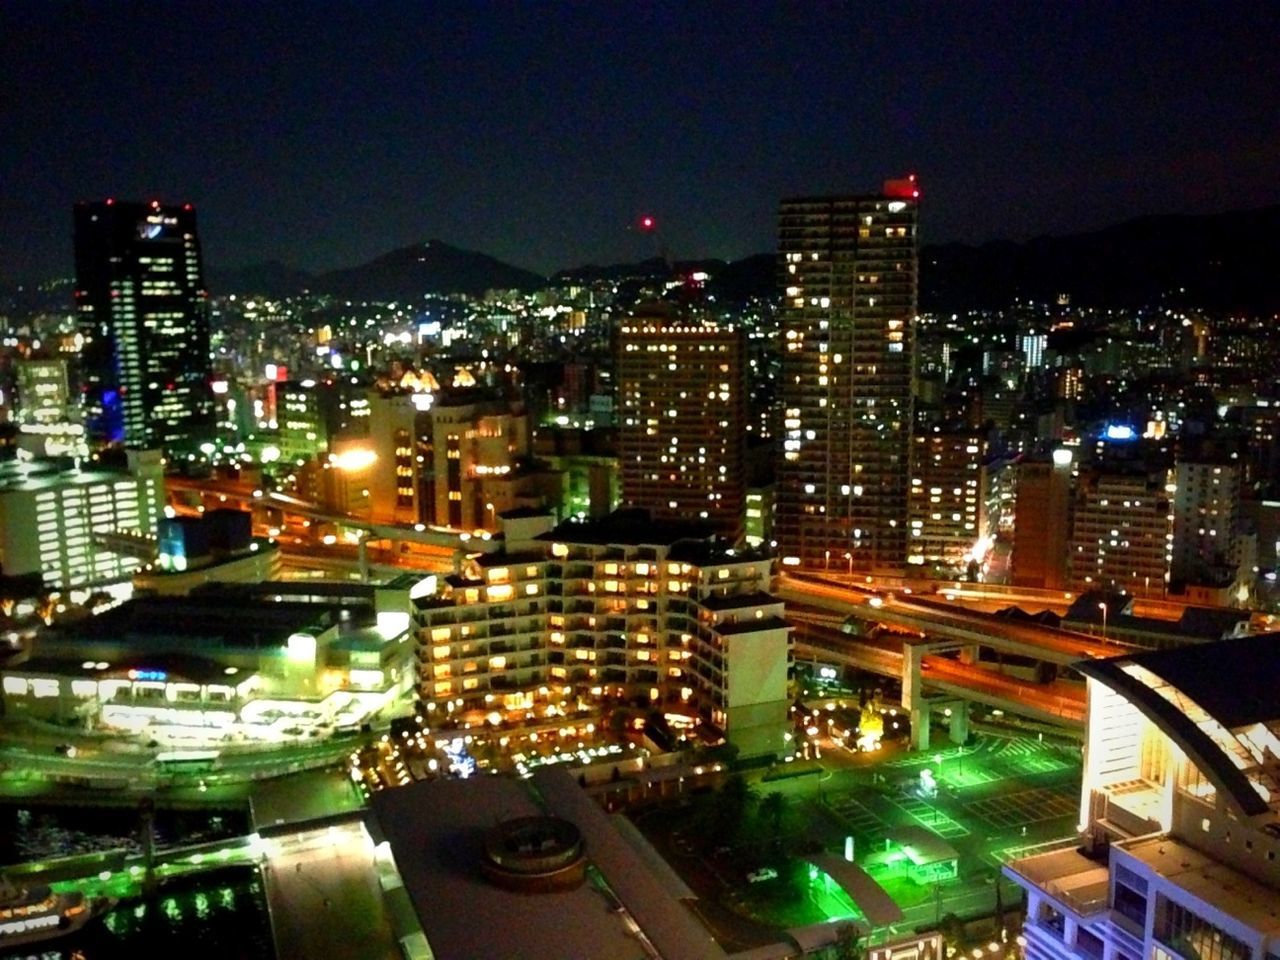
(885, 597)
(367, 132)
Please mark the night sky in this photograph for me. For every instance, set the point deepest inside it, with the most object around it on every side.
(323, 134)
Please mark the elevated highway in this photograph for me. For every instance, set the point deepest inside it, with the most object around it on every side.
(460, 541)
(939, 620)
(1059, 703)
(926, 629)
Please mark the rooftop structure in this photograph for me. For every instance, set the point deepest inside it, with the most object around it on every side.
(1180, 812)
(440, 837)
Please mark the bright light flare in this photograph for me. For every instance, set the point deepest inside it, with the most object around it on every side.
(354, 459)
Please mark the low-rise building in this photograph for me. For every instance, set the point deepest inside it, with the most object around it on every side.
(263, 661)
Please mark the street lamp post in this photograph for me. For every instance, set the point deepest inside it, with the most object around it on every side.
(1103, 608)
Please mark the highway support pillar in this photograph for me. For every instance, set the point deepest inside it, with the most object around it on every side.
(960, 722)
(913, 699)
(969, 654)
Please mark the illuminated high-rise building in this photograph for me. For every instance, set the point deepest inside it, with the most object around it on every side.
(849, 278)
(682, 418)
(945, 512)
(143, 311)
(1122, 533)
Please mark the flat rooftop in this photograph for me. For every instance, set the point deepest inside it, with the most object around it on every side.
(52, 473)
(627, 528)
(436, 830)
(252, 624)
(1244, 898)
(1069, 875)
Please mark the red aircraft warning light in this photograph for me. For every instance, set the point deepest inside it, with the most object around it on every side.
(647, 222)
(905, 188)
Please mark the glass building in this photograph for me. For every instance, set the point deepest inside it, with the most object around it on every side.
(143, 311)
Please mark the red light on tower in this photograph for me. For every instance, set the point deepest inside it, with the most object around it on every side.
(155, 204)
(647, 222)
(110, 201)
(906, 188)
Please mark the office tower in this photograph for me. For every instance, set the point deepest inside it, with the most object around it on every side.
(1032, 345)
(849, 267)
(79, 528)
(682, 418)
(395, 487)
(473, 464)
(143, 311)
(946, 506)
(1206, 516)
(1179, 814)
(1042, 519)
(303, 431)
(1122, 533)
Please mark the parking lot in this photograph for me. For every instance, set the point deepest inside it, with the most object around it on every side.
(995, 798)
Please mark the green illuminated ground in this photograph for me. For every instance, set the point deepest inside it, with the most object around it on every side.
(996, 798)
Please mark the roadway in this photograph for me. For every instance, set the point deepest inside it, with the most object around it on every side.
(453, 540)
(940, 619)
(1059, 703)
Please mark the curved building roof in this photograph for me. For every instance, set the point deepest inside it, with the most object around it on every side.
(1233, 682)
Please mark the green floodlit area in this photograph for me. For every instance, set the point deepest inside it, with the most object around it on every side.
(892, 840)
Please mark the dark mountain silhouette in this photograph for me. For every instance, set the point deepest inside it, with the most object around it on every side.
(1227, 262)
(431, 267)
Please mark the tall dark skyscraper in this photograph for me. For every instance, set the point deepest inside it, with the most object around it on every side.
(143, 311)
(849, 268)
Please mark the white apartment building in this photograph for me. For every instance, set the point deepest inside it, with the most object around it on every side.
(621, 610)
(1179, 814)
(73, 525)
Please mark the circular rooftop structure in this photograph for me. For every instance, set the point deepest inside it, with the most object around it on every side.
(535, 854)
